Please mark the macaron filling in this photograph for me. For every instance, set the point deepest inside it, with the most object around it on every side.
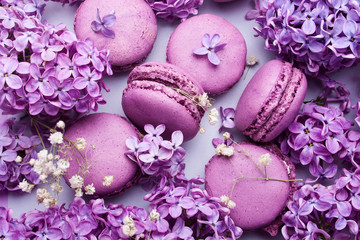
(277, 103)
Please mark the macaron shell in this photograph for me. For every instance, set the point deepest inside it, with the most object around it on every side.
(153, 103)
(188, 37)
(258, 202)
(135, 29)
(107, 133)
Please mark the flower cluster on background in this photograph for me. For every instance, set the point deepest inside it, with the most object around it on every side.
(71, 2)
(318, 135)
(179, 208)
(318, 36)
(319, 212)
(16, 151)
(45, 71)
(175, 9)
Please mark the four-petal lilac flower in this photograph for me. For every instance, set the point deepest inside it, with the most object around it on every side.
(104, 24)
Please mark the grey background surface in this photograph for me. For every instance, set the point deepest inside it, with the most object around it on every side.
(199, 150)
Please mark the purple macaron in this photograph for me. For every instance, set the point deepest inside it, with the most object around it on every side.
(161, 93)
(270, 101)
(127, 28)
(104, 158)
(259, 203)
(212, 49)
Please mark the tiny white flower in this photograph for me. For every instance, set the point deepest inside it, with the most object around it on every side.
(32, 162)
(63, 164)
(90, 189)
(129, 230)
(128, 220)
(57, 173)
(42, 155)
(43, 177)
(213, 116)
(78, 192)
(42, 194)
(264, 160)
(60, 124)
(50, 156)
(203, 100)
(224, 150)
(18, 159)
(202, 130)
(56, 188)
(49, 202)
(226, 135)
(154, 215)
(56, 138)
(76, 181)
(108, 180)
(227, 201)
(80, 144)
(25, 186)
(251, 60)
(231, 204)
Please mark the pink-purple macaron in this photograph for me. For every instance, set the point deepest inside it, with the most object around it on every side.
(259, 203)
(105, 135)
(212, 49)
(270, 101)
(129, 36)
(161, 93)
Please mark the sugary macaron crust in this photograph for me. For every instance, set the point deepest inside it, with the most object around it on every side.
(104, 158)
(188, 36)
(259, 203)
(270, 101)
(152, 97)
(135, 30)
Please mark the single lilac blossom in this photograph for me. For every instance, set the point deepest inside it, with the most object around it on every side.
(104, 24)
(210, 47)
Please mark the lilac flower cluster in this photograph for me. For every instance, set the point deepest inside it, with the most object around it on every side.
(175, 9)
(318, 36)
(317, 135)
(319, 212)
(179, 208)
(30, 7)
(45, 71)
(15, 154)
(71, 2)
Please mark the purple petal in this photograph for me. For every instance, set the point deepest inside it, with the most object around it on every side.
(3, 167)
(46, 89)
(109, 20)
(175, 211)
(306, 155)
(84, 228)
(342, 42)
(340, 224)
(108, 33)
(219, 47)
(215, 40)
(80, 83)
(96, 26)
(93, 89)
(206, 42)
(24, 142)
(213, 58)
(308, 27)
(201, 51)
(332, 145)
(344, 208)
(14, 81)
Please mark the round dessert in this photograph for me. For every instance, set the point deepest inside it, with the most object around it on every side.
(212, 49)
(270, 101)
(259, 202)
(161, 93)
(127, 28)
(105, 135)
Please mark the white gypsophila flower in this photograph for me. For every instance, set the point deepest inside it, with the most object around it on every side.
(226, 135)
(203, 100)
(223, 150)
(213, 116)
(227, 201)
(251, 60)
(50, 157)
(49, 202)
(56, 188)
(129, 230)
(202, 130)
(264, 160)
(42, 155)
(128, 220)
(90, 189)
(63, 164)
(231, 204)
(57, 173)
(80, 144)
(43, 177)
(60, 124)
(56, 138)
(42, 194)
(18, 159)
(78, 192)
(154, 215)
(32, 162)
(25, 186)
(108, 180)
(76, 181)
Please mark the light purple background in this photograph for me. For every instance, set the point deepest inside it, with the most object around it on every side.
(199, 150)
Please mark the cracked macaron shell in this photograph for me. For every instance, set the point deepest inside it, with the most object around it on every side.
(151, 97)
(188, 36)
(270, 101)
(107, 158)
(259, 203)
(135, 30)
